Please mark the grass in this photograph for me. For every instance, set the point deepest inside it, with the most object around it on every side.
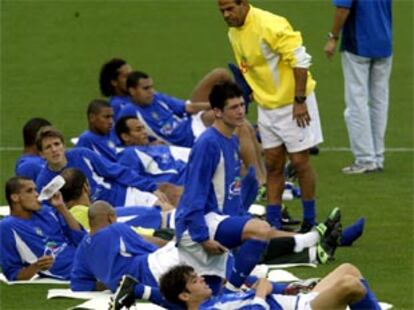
(51, 52)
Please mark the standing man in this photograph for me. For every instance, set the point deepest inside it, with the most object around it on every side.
(366, 61)
(275, 64)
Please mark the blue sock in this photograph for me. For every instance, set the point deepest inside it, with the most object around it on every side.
(273, 215)
(309, 211)
(245, 260)
(369, 302)
(352, 232)
(154, 296)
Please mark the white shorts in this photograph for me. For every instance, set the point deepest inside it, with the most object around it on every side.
(163, 259)
(298, 302)
(193, 254)
(197, 124)
(135, 197)
(278, 127)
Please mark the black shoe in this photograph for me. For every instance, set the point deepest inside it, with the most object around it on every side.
(287, 219)
(330, 231)
(124, 295)
(305, 227)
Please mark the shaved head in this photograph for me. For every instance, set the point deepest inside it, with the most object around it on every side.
(99, 214)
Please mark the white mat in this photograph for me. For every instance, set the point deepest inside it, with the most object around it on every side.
(35, 280)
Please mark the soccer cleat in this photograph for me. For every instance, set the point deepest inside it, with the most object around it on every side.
(360, 169)
(287, 219)
(328, 243)
(301, 286)
(261, 193)
(305, 227)
(124, 295)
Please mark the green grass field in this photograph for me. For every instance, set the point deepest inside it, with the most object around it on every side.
(51, 53)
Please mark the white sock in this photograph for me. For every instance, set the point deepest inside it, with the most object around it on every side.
(307, 240)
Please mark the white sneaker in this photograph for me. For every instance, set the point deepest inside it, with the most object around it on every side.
(359, 169)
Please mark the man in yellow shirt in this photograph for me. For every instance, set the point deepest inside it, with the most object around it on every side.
(275, 64)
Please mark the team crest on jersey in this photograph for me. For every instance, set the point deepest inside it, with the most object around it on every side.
(38, 231)
(235, 187)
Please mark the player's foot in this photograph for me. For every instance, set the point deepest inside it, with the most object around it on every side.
(360, 169)
(124, 295)
(328, 243)
(352, 232)
(287, 219)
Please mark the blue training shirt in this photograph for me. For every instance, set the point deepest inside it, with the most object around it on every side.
(29, 166)
(109, 254)
(100, 144)
(212, 183)
(165, 119)
(117, 103)
(24, 241)
(108, 181)
(160, 163)
(367, 31)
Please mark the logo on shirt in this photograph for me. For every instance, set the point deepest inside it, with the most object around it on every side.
(38, 231)
(243, 65)
(155, 116)
(235, 188)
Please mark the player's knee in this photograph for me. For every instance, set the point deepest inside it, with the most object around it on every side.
(221, 74)
(261, 230)
(351, 287)
(300, 163)
(349, 269)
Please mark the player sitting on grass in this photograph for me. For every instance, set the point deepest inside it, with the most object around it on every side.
(35, 238)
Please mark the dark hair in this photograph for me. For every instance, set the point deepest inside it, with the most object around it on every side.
(47, 132)
(223, 91)
(75, 179)
(173, 283)
(110, 72)
(13, 186)
(122, 127)
(96, 105)
(31, 128)
(134, 77)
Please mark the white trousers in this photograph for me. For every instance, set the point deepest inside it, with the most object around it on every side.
(366, 99)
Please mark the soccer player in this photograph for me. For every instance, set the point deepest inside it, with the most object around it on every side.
(113, 249)
(98, 138)
(210, 217)
(112, 82)
(159, 162)
(343, 287)
(274, 62)
(30, 162)
(109, 181)
(35, 238)
(147, 221)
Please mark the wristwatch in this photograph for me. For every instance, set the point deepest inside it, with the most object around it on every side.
(300, 99)
(331, 36)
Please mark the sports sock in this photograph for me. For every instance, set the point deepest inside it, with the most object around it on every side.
(352, 232)
(278, 287)
(307, 240)
(149, 293)
(273, 215)
(369, 301)
(309, 211)
(245, 260)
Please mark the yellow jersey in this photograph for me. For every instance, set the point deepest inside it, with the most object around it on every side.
(264, 49)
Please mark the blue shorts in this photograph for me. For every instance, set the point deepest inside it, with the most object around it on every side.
(229, 231)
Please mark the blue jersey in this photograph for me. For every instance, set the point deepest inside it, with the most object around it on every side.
(165, 119)
(117, 103)
(240, 301)
(212, 183)
(24, 241)
(160, 163)
(29, 166)
(108, 181)
(147, 217)
(368, 29)
(109, 254)
(100, 144)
